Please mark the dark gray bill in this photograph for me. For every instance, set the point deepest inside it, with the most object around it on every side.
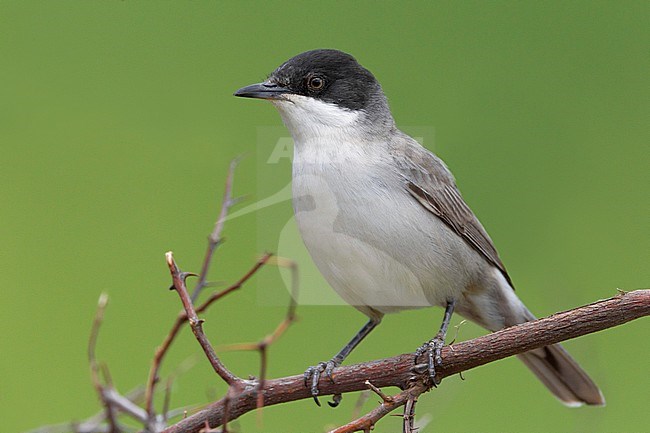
(264, 90)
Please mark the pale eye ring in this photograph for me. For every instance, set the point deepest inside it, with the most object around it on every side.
(315, 83)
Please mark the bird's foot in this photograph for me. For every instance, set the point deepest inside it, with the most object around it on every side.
(433, 350)
(312, 377)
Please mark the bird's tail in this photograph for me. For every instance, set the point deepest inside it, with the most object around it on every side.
(554, 367)
(561, 374)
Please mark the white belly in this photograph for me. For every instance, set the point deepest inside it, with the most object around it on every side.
(373, 243)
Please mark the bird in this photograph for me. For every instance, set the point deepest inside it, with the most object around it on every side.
(385, 223)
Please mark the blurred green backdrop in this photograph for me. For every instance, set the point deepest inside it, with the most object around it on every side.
(117, 125)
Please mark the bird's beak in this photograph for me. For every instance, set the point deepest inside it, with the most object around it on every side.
(265, 90)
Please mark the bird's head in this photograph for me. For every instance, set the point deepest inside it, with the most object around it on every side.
(322, 88)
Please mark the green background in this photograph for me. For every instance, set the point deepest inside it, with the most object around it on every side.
(117, 125)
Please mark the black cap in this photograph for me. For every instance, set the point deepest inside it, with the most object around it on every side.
(328, 75)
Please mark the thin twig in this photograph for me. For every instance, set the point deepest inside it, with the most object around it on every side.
(409, 414)
(111, 416)
(215, 238)
(379, 392)
(178, 279)
(368, 421)
(181, 319)
(123, 404)
(237, 285)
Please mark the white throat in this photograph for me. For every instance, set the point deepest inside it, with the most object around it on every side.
(309, 119)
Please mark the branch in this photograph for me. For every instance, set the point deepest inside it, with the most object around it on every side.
(197, 324)
(399, 371)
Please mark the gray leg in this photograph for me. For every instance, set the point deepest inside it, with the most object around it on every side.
(313, 374)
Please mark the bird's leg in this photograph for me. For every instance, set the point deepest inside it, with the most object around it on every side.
(313, 374)
(433, 347)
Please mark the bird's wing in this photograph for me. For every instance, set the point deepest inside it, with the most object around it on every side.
(430, 182)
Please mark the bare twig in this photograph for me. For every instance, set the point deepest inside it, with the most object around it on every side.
(102, 303)
(123, 404)
(237, 285)
(387, 405)
(385, 398)
(111, 415)
(409, 413)
(181, 319)
(196, 324)
(399, 370)
(368, 421)
(215, 239)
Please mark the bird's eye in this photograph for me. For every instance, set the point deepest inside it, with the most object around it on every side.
(315, 83)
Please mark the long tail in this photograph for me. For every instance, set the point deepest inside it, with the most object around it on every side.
(561, 373)
(557, 370)
(563, 376)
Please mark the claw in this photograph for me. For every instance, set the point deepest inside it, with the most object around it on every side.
(433, 349)
(315, 379)
(336, 399)
(312, 376)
